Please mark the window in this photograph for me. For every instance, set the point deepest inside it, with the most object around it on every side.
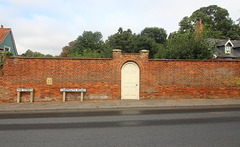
(6, 48)
(228, 49)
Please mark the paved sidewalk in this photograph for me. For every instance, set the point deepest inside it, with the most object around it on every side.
(117, 104)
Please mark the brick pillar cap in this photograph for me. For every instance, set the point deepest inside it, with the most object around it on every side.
(117, 50)
(144, 51)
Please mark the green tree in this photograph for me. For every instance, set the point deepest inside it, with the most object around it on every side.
(145, 43)
(3, 56)
(66, 49)
(88, 40)
(87, 45)
(158, 34)
(30, 53)
(107, 50)
(87, 53)
(123, 40)
(172, 35)
(216, 18)
(186, 24)
(149, 39)
(186, 46)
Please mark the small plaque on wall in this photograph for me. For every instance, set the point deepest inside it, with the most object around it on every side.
(49, 81)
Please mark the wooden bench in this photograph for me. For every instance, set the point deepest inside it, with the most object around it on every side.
(64, 90)
(24, 90)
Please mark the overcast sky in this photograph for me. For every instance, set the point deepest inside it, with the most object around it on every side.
(48, 25)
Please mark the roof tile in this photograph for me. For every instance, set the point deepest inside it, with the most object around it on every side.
(3, 33)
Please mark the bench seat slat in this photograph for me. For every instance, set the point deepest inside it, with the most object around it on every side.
(25, 90)
(72, 90)
(64, 90)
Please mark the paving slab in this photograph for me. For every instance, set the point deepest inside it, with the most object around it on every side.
(115, 104)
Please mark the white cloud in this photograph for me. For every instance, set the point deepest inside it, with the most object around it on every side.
(47, 26)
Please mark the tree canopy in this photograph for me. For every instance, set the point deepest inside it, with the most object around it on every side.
(188, 45)
(91, 45)
(149, 39)
(89, 40)
(189, 42)
(30, 53)
(66, 49)
(158, 34)
(123, 40)
(215, 18)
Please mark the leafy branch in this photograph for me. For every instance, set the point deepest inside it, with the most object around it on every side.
(4, 56)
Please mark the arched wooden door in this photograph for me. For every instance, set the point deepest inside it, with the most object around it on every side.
(130, 81)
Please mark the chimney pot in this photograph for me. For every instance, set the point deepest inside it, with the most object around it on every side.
(1, 26)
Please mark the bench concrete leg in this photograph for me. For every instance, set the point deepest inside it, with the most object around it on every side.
(18, 97)
(31, 97)
(81, 96)
(64, 96)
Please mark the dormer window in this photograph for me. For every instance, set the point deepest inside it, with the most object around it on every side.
(228, 47)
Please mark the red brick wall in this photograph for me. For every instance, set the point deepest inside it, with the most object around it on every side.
(102, 78)
(192, 79)
(97, 76)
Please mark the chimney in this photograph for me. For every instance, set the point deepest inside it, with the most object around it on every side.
(1, 26)
(199, 27)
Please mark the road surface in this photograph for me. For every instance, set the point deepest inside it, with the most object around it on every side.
(129, 127)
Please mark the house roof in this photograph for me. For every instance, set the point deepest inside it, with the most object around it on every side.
(234, 54)
(236, 43)
(3, 33)
(222, 42)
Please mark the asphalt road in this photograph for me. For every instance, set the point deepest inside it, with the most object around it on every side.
(130, 127)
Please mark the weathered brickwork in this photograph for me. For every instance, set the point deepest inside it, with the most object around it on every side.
(102, 78)
(97, 76)
(193, 79)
